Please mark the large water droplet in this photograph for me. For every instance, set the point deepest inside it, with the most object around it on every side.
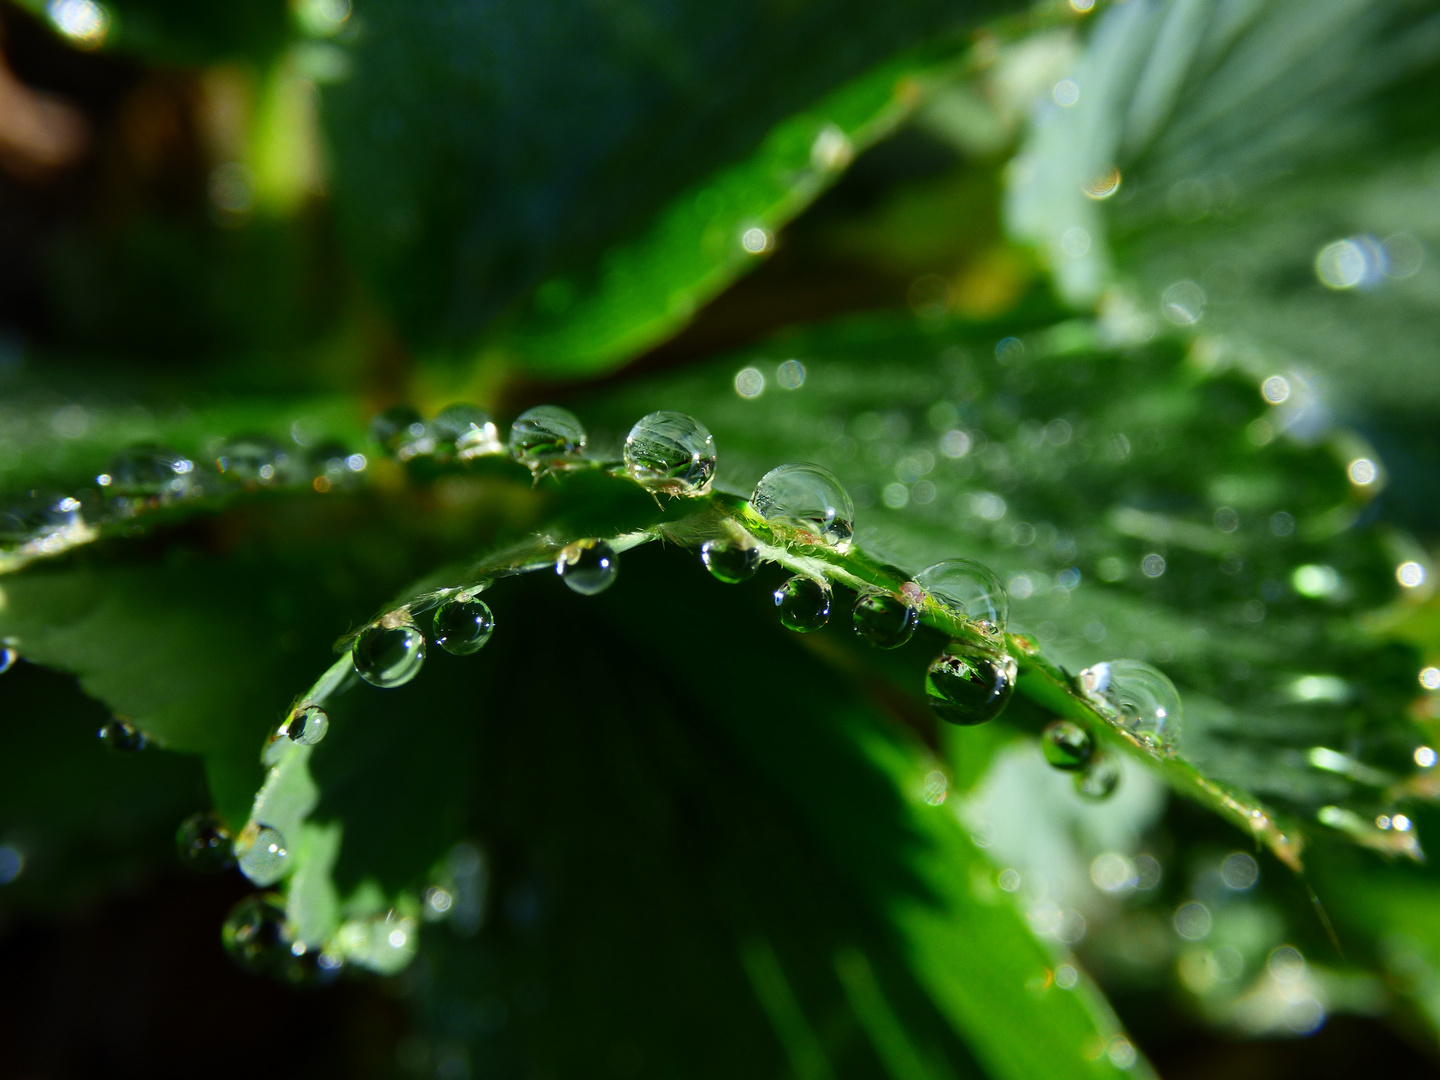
(968, 590)
(1100, 778)
(730, 561)
(463, 626)
(149, 472)
(8, 656)
(257, 934)
(588, 566)
(885, 621)
(388, 656)
(969, 689)
(546, 436)
(204, 843)
(262, 854)
(1066, 745)
(307, 725)
(809, 498)
(122, 736)
(400, 432)
(464, 432)
(803, 603)
(252, 460)
(1140, 697)
(40, 514)
(671, 452)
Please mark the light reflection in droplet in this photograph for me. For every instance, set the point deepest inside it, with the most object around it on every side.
(749, 382)
(756, 240)
(1362, 472)
(1410, 574)
(1355, 262)
(1183, 303)
(1066, 93)
(790, 374)
(1425, 757)
(1430, 678)
(1103, 186)
(84, 22)
(1193, 920)
(1275, 389)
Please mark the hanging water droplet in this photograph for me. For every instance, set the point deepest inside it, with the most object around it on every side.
(388, 656)
(204, 843)
(262, 854)
(149, 472)
(885, 621)
(400, 432)
(8, 656)
(333, 466)
(40, 514)
(1100, 778)
(968, 590)
(1066, 745)
(809, 498)
(463, 626)
(546, 436)
(803, 603)
(120, 735)
(969, 689)
(464, 432)
(252, 460)
(1140, 697)
(588, 566)
(671, 452)
(730, 561)
(257, 933)
(307, 725)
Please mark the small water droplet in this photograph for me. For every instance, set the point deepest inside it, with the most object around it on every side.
(588, 566)
(809, 498)
(204, 843)
(465, 432)
(969, 689)
(1140, 697)
(671, 452)
(150, 473)
(730, 561)
(40, 514)
(309, 968)
(546, 436)
(885, 621)
(8, 657)
(1100, 778)
(968, 590)
(388, 656)
(262, 854)
(333, 466)
(1066, 745)
(120, 735)
(401, 433)
(257, 933)
(803, 603)
(463, 626)
(307, 725)
(252, 460)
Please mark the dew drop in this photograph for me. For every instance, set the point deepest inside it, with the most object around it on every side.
(1140, 697)
(388, 656)
(730, 561)
(333, 466)
(463, 626)
(257, 933)
(969, 689)
(307, 967)
(588, 566)
(809, 498)
(1066, 745)
(8, 657)
(464, 432)
(1100, 778)
(252, 460)
(149, 472)
(120, 735)
(40, 514)
(546, 435)
(307, 725)
(885, 621)
(204, 843)
(671, 452)
(400, 432)
(803, 603)
(261, 852)
(968, 590)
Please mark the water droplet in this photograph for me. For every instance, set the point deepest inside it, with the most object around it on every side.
(730, 561)
(1100, 778)
(1140, 697)
(803, 603)
(671, 452)
(968, 590)
(252, 460)
(8, 656)
(309, 967)
(120, 735)
(463, 626)
(262, 854)
(1066, 745)
(332, 465)
(388, 656)
(400, 432)
(885, 621)
(588, 566)
(465, 432)
(149, 472)
(809, 498)
(545, 436)
(969, 689)
(40, 514)
(257, 933)
(204, 843)
(307, 725)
